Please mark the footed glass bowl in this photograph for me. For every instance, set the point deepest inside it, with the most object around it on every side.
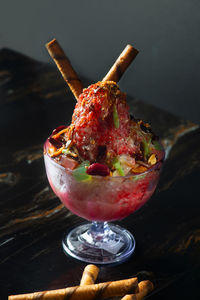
(100, 199)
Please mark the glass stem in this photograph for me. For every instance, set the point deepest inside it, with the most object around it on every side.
(99, 231)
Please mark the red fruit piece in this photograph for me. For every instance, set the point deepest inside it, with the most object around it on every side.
(68, 163)
(98, 169)
(55, 143)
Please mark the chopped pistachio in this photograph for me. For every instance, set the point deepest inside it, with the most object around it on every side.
(115, 117)
(146, 148)
(67, 151)
(157, 145)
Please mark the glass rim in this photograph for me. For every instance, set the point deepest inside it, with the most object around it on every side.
(152, 168)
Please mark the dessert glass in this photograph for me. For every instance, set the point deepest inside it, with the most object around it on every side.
(99, 200)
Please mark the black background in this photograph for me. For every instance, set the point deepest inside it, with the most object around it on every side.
(166, 73)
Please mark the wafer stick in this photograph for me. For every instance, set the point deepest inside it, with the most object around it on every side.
(145, 287)
(87, 292)
(65, 67)
(121, 64)
(89, 275)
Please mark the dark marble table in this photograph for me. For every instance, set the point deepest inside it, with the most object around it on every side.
(33, 100)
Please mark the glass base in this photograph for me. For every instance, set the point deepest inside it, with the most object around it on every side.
(99, 243)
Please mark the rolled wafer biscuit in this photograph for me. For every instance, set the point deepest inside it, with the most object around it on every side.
(65, 67)
(90, 274)
(87, 292)
(145, 287)
(121, 64)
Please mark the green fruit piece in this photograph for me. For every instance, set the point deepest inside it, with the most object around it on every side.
(115, 117)
(80, 172)
(118, 167)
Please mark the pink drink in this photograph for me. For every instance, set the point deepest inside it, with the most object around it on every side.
(101, 198)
